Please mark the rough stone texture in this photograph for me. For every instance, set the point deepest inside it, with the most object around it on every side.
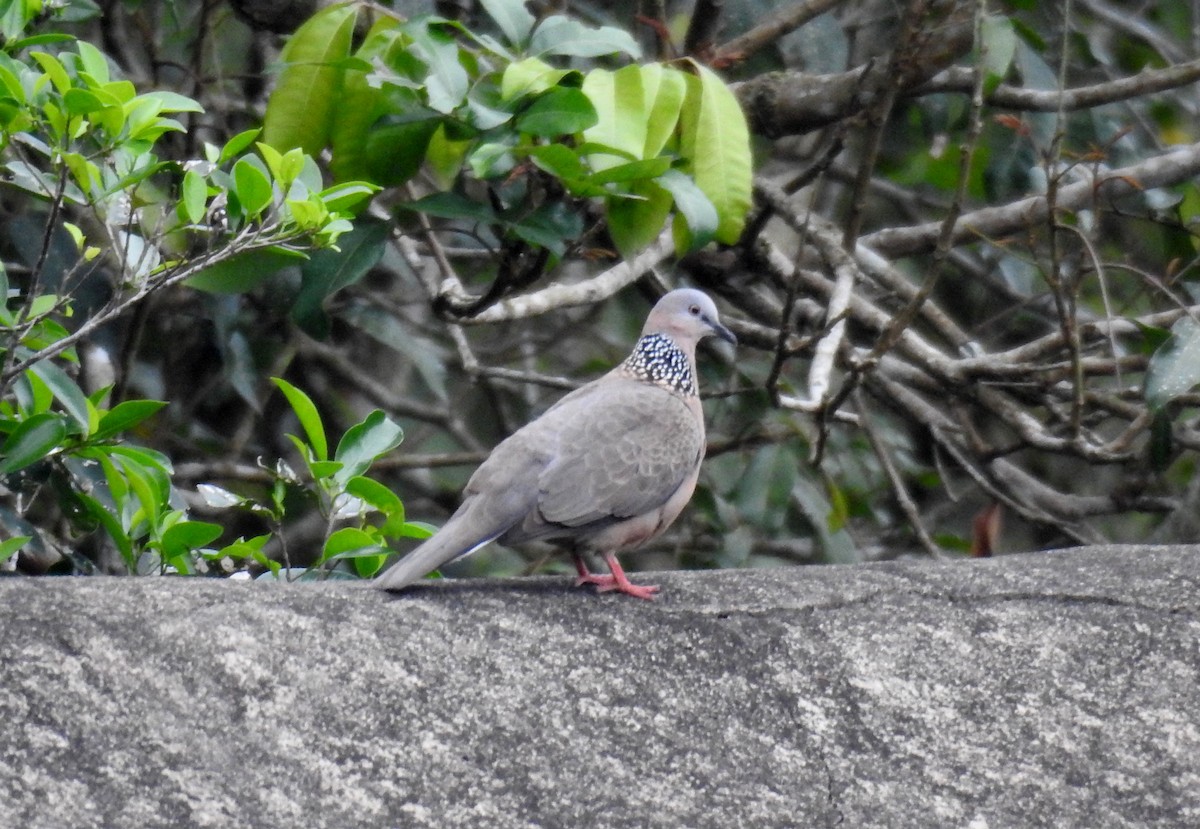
(1055, 690)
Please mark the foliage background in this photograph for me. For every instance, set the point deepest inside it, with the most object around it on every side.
(970, 244)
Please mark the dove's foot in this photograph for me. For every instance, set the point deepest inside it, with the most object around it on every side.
(617, 581)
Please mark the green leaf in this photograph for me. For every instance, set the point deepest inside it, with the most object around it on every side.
(530, 76)
(350, 542)
(380, 498)
(491, 160)
(342, 197)
(171, 101)
(715, 142)
(244, 271)
(155, 462)
(234, 146)
(305, 100)
(622, 112)
(666, 87)
(633, 223)
(324, 469)
(65, 390)
(244, 548)
(12, 546)
(1175, 368)
(113, 527)
(252, 185)
(559, 160)
(81, 101)
(560, 35)
(186, 536)
(195, 197)
(307, 414)
(54, 71)
(364, 442)
(124, 416)
(630, 171)
(92, 61)
(512, 17)
(393, 153)
(418, 529)
(561, 111)
(698, 212)
(444, 156)
(447, 84)
(328, 271)
(368, 566)
(550, 226)
(363, 99)
(453, 206)
(147, 487)
(33, 439)
(999, 49)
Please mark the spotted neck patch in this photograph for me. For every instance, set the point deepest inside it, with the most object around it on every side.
(656, 359)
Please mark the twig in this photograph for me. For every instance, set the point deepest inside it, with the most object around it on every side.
(899, 490)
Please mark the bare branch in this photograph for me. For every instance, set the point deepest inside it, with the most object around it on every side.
(993, 222)
(1147, 82)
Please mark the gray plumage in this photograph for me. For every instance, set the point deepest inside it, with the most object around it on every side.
(605, 469)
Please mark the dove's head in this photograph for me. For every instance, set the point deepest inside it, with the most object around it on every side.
(686, 316)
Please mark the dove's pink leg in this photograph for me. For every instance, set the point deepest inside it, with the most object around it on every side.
(617, 581)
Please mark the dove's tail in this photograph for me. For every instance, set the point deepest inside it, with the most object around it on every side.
(456, 538)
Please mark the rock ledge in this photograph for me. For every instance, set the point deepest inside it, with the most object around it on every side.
(1048, 690)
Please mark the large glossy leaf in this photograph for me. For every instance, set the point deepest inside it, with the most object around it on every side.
(252, 185)
(561, 111)
(512, 17)
(380, 498)
(244, 271)
(700, 220)
(633, 223)
(393, 153)
(306, 413)
(65, 390)
(32, 440)
(453, 206)
(999, 47)
(186, 536)
(12, 546)
(151, 498)
(112, 526)
(329, 271)
(124, 416)
(306, 99)
(622, 113)
(715, 142)
(359, 104)
(447, 83)
(350, 542)
(666, 87)
(1175, 367)
(376, 435)
(529, 77)
(561, 35)
(195, 197)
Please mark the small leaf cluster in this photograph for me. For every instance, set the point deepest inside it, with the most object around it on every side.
(643, 143)
(57, 442)
(79, 148)
(360, 513)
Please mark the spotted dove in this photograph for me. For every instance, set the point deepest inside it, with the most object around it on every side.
(605, 469)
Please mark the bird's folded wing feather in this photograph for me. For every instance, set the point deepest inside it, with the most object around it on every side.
(621, 453)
